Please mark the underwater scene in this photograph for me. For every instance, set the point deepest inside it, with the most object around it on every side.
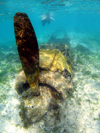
(49, 66)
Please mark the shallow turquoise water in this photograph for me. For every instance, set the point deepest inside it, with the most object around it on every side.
(81, 21)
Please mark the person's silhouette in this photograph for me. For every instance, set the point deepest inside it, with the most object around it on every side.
(46, 19)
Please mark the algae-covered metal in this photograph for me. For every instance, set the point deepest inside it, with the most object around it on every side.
(28, 49)
(47, 67)
(54, 60)
(53, 85)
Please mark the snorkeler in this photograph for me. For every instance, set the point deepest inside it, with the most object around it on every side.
(47, 18)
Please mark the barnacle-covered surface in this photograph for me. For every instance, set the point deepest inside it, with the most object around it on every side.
(54, 77)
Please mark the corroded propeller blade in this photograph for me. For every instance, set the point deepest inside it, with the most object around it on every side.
(28, 49)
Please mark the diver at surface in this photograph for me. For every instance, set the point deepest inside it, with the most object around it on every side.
(46, 19)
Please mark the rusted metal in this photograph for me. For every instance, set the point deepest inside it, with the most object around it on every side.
(28, 49)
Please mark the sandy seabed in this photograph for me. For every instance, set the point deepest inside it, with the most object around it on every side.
(79, 114)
